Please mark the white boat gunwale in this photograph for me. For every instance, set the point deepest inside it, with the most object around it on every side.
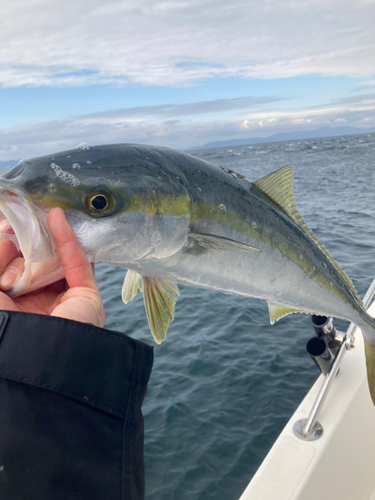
(341, 463)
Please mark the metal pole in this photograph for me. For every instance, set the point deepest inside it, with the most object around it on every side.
(311, 422)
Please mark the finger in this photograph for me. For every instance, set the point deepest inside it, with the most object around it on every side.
(5, 227)
(12, 274)
(8, 252)
(77, 268)
(7, 304)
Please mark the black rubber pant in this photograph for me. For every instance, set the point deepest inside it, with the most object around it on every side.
(71, 426)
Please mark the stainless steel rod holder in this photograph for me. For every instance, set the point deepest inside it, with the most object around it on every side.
(309, 428)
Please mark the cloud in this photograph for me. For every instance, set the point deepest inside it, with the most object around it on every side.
(182, 110)
(360, 100)
(369, 84)
(167, 125)
(150, 42)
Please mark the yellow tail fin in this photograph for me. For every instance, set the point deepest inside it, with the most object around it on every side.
(370, 364)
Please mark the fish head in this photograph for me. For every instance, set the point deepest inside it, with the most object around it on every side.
(122, 206)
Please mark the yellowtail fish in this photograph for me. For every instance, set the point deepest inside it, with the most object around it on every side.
(170, 218)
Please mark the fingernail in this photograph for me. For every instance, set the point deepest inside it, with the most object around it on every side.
(8, 279)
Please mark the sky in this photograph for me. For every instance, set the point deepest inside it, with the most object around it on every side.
(180, 73)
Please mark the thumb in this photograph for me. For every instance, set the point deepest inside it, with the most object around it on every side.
(77, 269)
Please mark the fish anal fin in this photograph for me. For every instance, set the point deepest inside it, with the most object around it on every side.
(278, 311)
(210, 243)
(159, 297)
(132, 284)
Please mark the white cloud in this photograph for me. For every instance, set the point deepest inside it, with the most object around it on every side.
(151, 42)
(167, 126)
(182, 110)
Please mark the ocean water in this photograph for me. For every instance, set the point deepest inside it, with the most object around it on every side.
(225, 381)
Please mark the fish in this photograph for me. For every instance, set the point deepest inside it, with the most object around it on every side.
(172, 219)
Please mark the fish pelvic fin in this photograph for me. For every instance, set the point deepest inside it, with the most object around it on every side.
(132, 284)
(278, 311)
(159, 297)
(278, 186)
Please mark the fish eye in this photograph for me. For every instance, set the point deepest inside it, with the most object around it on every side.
(100, 203)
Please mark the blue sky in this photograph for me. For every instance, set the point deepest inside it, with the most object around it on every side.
(180, 73)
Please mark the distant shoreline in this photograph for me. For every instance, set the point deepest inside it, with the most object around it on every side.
(319, 133)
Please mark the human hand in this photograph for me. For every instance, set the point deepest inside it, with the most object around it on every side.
(76, 297)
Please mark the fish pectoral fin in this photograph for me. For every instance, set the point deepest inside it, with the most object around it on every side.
(278, 311)
(132, 284)
(209, 243)
(160, 297)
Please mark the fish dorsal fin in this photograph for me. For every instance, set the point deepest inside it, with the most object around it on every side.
(209, 243)
(132, 283)
(278, 186)
(160, 297)
(278, 311)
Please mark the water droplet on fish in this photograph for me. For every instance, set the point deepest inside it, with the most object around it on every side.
(178, 178)
(199, 172)
(21, 161)
(84, 146)
(89, 162)
(51, 187)
(278, 294)
(147, 158)
(76, 165)
(324, 265)
(159, 178)
(254, 225)
(199, 189)
(68, 156)
(223, 207)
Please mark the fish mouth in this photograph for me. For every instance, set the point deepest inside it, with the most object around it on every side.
(25, 224)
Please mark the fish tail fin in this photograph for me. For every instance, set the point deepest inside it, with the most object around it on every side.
(368, 330)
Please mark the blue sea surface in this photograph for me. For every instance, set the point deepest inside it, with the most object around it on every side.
(225, 381)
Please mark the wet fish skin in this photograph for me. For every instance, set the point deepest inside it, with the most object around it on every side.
(173, 218)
